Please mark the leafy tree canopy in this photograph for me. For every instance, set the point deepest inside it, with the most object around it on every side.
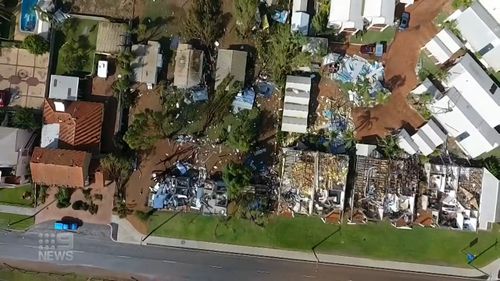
(35, 44)
(237, 178)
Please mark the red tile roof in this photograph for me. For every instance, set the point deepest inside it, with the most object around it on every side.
(59, 167)
(80, 124)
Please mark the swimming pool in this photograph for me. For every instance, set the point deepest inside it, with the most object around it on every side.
(29, 17)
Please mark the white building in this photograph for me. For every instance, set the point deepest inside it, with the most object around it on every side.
(300, 17)
(64, 87)
(379, 14)
(147, 63)
(346, 15)
(230, 62)
(15, 157)
(479, 25)
(443, 46)
(489, 209)
(424, 141)
(296, 106)
(469, 110)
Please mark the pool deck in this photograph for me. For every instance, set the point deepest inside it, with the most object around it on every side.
(24, 74)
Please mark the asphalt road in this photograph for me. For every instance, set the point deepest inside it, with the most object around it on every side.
(162, 263)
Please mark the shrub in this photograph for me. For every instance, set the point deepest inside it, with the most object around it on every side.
(63, 197)
(86, 194)
(93, 208)
(36, 44)
(77, 205)
(144, 216)
(98, 197)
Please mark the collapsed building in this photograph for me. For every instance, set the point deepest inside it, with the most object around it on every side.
(458, 197)
(185, 187)
(384, 189)
(313, 183)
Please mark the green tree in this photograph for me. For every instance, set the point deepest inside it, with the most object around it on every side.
(73, 56)
(35, 44)
(237, 178)
(458, 4)
(63, 197)
(141, 135)
(26, 118)
(493, 165)
(118, 168)
(281, 52)
(319, 22)
(244, 130)
(390, 146)
(246, 12)
(350, 140)
(204, 21)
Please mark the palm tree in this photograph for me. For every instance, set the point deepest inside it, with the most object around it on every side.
(390, 146)
(118, 169)
(349, 140)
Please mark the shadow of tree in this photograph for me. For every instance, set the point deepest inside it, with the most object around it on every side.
(367, 120)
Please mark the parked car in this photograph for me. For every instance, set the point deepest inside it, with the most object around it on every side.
(405, 21)
(368, 49)
(65, 226)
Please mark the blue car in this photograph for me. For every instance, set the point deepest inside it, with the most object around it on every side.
(405, 21)
(65, 226)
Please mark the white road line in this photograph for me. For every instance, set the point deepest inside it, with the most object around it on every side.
(31, 246)
(167, 261)
(125, 257)
(263, 272)
(216, 266)
(78, 251)
(309, 276)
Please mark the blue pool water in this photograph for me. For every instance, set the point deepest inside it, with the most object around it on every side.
(29, 17)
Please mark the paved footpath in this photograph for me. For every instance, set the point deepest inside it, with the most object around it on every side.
(17, 210)
(128, 234)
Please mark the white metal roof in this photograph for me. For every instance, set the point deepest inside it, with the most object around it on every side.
(294, 125)
(425, 145)
(406, 143)
(147, 61)
(296, 110)
(9, 145)
(479, 26)
(444, 45)
(346, 14)
(64, 87)
(380, 11)
(50, 136)
(300, 22)
(231, 62)
(365, 149)
(474, 84)
(299, 6)
(489, 207)
(434, 133)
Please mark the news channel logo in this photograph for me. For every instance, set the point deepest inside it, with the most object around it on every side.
(55, 246)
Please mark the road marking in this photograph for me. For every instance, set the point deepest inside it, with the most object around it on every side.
(263, 272)
(216, 266)
(309, 276)
(125, 257)
(31, 246)
(167, 261)
(78, 251)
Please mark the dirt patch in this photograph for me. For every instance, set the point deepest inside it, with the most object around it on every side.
(103, 216)
(400, 61)
(109, 8)
(148, 99)
(329, 97)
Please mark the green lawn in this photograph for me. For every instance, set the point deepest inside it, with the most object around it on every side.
(14, 196)
(378, 241)
(6, 219)
(374, 36)
(85, 30)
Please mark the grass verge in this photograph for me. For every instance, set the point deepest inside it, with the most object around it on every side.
(14, 196)
(6, 219)
(375, 36)
(378, 241)
(9, 273)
